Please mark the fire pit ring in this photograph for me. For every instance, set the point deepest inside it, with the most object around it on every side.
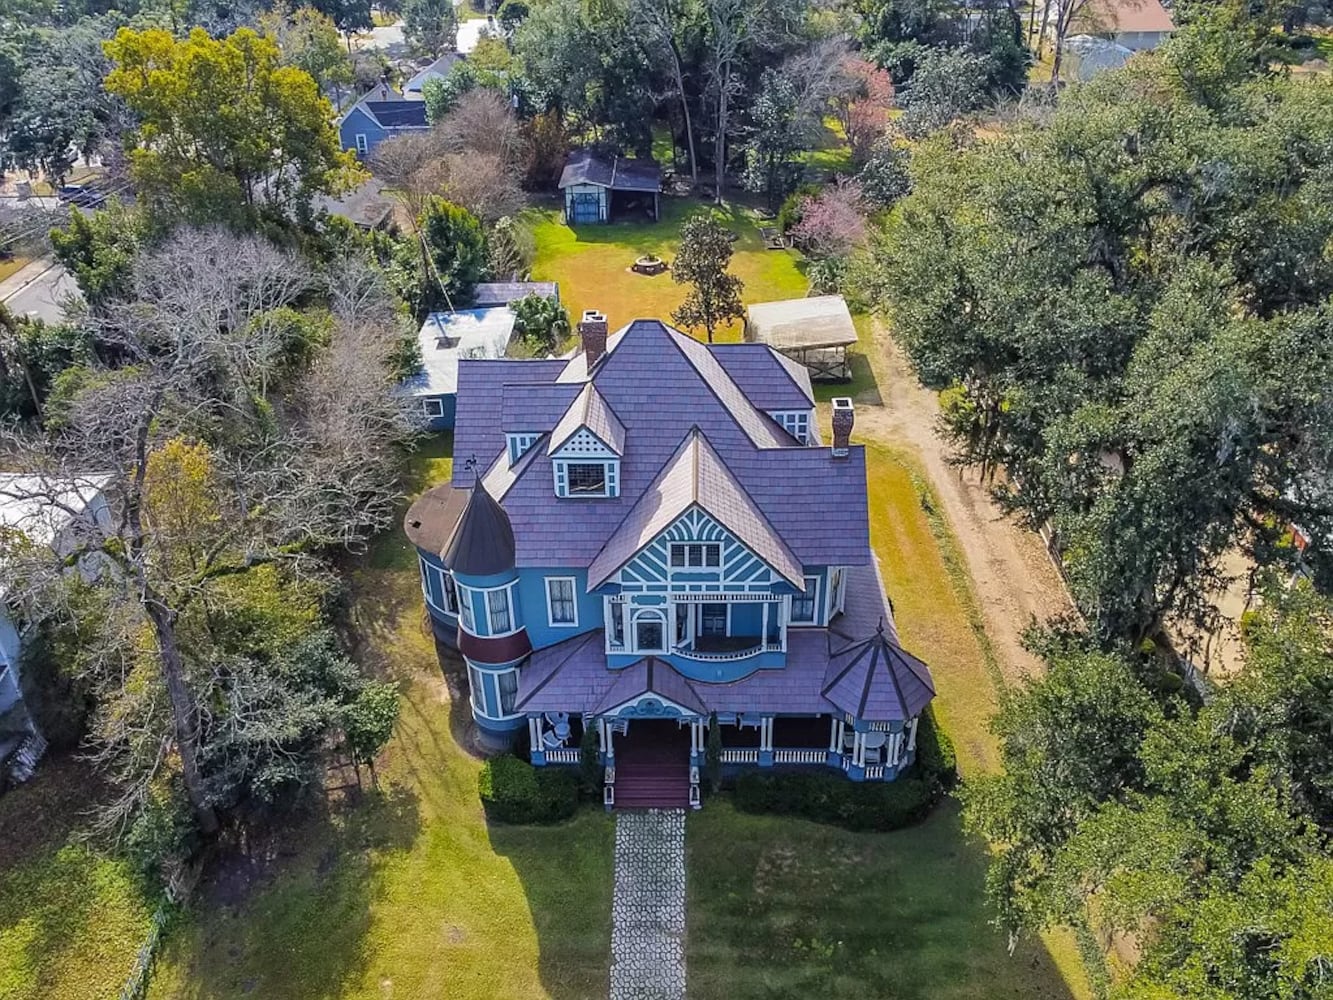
(649, 264)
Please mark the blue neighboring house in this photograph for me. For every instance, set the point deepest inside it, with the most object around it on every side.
(647, 539)
(381, 114)
(384, 113)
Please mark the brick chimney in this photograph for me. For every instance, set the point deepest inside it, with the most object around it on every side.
(593, 330)
(844, 418)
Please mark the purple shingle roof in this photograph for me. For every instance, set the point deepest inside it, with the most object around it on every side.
(660, 384)
(695, 476)
(589, 410)
(770, 380)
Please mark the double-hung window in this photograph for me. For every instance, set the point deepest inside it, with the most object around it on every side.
(450, 593)
(433, 408)
(465, 609)
(803, 604)
(694, 555)
(561, 608)
(497, 604)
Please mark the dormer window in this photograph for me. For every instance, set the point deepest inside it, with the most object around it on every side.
(794, 422)
(519, 444)
(583, 478)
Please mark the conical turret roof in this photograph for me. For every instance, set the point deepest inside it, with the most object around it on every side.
(483, 542)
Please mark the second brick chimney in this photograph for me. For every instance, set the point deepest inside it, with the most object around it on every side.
(844, 419)
(593, 330)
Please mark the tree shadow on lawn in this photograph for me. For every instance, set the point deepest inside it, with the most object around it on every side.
(566, 874)
(286, 916)
(781, 907)
(71, 914)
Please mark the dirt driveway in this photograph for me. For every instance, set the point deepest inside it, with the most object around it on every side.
(1013, 577)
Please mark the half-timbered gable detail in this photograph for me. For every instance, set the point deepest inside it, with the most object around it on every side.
(648, 538)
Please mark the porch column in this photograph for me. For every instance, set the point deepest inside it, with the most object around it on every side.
(763, 628)
(834, 737)
(896, 748)
(911, 736)
(766, 734)
(535, 732)
(601, 735)
(859, 750)
(782, 622)
(697, 736)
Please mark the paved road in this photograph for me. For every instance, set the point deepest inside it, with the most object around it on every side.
(38, 290)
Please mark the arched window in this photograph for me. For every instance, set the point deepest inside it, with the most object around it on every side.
(649, 632)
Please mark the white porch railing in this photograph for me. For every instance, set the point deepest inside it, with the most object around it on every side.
(740, 756)
(874, 773)
(563, 756)
(800, 756)
(736, 654)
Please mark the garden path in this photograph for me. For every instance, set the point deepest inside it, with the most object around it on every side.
(648, 908)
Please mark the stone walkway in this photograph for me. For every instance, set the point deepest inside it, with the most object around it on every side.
(648, 911)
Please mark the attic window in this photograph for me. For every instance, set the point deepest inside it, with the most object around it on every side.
(587, 478)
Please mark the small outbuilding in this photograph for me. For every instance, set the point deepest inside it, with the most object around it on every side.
(814, 332)
(599, 190)
(445, 338)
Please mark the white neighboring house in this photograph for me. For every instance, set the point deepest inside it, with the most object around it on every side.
(49, 512)
(1105, 33)
(445, 339)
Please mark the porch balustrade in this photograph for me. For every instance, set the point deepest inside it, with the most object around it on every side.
(740, 756)
(799, 756)
(722, 656)
(562, 756)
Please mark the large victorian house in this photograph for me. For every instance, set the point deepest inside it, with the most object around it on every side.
(648, 539)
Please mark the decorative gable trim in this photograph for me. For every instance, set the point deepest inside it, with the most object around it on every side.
(740, 571)
(583, 444)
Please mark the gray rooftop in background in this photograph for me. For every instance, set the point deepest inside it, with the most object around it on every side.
(501, 293)
(618, 173)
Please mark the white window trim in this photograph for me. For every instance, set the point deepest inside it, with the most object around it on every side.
(574, 595)
(430, 403)
(519, 443)
(362, 143)
(836, 598)
(632, 633)
(610, 478)
(814, 604)
(445, 579)
(685, 567)
(465, 592)
(509, 611)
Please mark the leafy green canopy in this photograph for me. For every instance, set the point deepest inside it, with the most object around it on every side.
(224, 128)
(1128, 307)
(1201, 835)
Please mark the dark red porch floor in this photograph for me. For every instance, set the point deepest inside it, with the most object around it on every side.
(653, 766)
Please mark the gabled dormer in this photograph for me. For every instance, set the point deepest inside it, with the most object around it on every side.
(586, 447)
(518, 443)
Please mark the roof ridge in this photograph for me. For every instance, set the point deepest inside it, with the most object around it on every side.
(677, 338)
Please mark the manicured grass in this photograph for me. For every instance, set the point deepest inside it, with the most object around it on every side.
(780, 907)
(406, 892)
(831, 156)
(592, 263)
(72, 915)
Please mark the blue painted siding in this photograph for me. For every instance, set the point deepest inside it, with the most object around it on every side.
(532, 596)
(358, 122)
(443, 420)
(739, 569)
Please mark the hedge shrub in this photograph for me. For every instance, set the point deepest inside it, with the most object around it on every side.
(513, 791)
(828, 797)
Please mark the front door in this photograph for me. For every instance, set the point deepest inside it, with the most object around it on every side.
(714, 619)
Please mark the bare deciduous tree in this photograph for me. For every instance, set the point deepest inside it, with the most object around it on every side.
(294, 465)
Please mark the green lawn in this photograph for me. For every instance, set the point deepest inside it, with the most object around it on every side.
(592, 263)
(781, 907)
(72, 916)
(409, 893)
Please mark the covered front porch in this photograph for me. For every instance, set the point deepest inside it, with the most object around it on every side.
(865, 751)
